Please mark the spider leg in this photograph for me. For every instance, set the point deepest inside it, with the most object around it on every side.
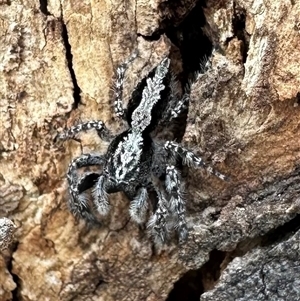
(98, 125)
(177, 203)
(78, 203)
(118, 87)
(176, 105)
(180, 106)
(158, 221)
(190, 159)
(100, 196)
(139, 205)
(141, 116)
(158, 224)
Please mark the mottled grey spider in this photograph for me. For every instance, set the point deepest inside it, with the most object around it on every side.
(135, 162)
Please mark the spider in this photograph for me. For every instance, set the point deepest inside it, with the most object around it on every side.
(135, 163)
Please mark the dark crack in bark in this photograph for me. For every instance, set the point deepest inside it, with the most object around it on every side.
(69, 57)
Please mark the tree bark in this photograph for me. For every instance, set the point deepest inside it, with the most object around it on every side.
(241, 59)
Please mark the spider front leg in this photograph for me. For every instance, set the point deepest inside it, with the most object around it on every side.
(176, 104)
(78, 202)
(190, 159)
(100, 196)
(158, 223)
(180, 106)
(118, 87)
(98, 125)
(177, 202)
(139, 205)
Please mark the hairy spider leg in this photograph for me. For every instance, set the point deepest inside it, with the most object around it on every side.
(98, 125)
(139, 205)
(101, 197)
(180, 106)
(177, 202)
(190, 159)
(176, 104)
(158, 223)
(118, 86)
(78, 205)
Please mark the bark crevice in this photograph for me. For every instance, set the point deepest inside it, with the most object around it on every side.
(69, 58)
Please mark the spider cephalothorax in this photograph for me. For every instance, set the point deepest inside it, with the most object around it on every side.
(135, 162)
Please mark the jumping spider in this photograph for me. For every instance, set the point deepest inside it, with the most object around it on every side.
(135, 162)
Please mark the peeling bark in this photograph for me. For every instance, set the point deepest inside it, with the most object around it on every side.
(57, 60)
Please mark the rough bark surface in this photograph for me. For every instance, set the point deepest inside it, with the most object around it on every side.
(268, 273)
(57, 60)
